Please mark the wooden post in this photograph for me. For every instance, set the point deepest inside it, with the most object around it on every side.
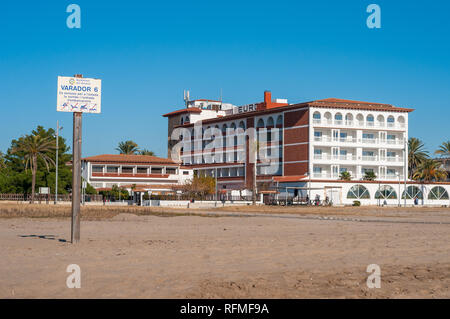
(76, 175)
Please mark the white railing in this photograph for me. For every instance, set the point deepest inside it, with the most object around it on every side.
(368, 124)
(369, 158)
(317, 121)
(369, 140)
(338, 122)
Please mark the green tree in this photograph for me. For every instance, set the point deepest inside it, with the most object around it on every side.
(17, 179)
(128, 148)
(2, 160)
(345, 176)
(430, 170)
(32, 148)
(416, 154)
(444, 149)
(146, 152)
(369, 176)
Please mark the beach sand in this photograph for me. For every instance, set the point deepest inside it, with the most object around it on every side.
(280, 256)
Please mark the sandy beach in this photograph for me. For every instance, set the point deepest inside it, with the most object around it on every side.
(235, 255)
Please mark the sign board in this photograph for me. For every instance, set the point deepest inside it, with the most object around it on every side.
(44, 190)
(79, 95)
(244, 108)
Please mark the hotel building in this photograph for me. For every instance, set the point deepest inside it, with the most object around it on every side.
(315, 143)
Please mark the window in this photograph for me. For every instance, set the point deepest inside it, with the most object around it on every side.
(185, 172)
(127, 169)
(367, 170)
(390, 137)
(386, 192)
(370, 118)
(97, 169)
(343, 152)
(358, 192)
(317, 134)
(342, 169)
(317, 170)
(412, 192)
(390, 171)
(141, 170)
(391, 154)
(156, 170)
(367, 153)
(368, 135)
(316, 116)
(317, 151)
(171, 170)
(112, 169)
(343, 135)
(438, 193)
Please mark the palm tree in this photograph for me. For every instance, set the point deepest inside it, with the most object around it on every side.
(345, 176)
(430, 170)
(34, 147)
(146, 152)
(444, 152)
(127, 148)
(444, 149)
(369, 176)
(416, 155)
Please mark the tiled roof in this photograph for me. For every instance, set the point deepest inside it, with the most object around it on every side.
(186, 110)
(350, 104)
(135, 159)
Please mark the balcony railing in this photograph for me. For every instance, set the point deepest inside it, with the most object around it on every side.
(368, 124)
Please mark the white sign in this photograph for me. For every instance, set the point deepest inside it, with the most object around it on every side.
(44, 190)
(79, 95)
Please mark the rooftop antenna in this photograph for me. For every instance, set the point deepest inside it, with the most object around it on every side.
(186, 97)
(220, 98)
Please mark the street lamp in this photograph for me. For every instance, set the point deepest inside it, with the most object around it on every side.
(309, 187)
(399, 193)
(57, 149)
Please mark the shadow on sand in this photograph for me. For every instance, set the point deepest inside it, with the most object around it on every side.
(50, 237)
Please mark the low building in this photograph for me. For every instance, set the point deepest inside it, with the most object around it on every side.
(134, 172)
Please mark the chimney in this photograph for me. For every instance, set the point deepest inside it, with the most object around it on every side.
(267, 98)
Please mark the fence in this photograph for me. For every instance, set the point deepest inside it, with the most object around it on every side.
(49, 197)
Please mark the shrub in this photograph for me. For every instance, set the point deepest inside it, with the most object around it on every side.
(356, 203)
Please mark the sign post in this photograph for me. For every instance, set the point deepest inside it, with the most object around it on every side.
(77, 95)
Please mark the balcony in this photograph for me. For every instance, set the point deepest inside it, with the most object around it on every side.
(359, 124)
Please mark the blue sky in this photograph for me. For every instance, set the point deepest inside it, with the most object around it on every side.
(148, 52)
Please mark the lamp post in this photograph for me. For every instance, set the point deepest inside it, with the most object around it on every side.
(215, 175)
(56, 171)
(405, 157)
(309, 187)
(399, 193)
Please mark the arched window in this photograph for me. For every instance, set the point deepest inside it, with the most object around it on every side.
(386, 192)
(370, 120)
(182, 120)
(338, 117)
(360, 119)
(242, 125)
(270, 122)
(186, 120)
(260, 123)
(348, 119)
(358, 192)
(438, 193)
(316, 117)
(327, 117)
(401, 121)
(412, 192)
(390, 121)
(279, 121)
(380, 120)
